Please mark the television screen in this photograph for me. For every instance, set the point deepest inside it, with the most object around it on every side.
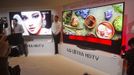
(97, 27)
(33, 22)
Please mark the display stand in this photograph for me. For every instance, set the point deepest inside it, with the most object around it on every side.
(103, 61)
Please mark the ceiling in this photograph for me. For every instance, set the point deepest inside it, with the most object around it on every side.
(35, 3)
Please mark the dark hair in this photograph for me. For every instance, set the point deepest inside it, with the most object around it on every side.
(56, 16)
(131, 42)
(15, 19)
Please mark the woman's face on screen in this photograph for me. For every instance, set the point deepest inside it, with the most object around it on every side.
(32, 21)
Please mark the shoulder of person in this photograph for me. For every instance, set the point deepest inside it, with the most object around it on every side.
(20, 25)
(129, 52)
(59, 23)
(53, 22)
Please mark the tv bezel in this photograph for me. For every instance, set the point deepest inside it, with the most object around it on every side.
(10, 18)
(98, 46)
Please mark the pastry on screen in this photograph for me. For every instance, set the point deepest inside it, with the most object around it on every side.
(74, 21)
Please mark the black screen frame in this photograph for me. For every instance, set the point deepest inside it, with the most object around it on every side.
(48, 19)
(116, 44)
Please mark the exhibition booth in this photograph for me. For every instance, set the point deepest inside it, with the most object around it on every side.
(93, 33)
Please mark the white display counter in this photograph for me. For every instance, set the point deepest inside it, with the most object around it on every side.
(40, 47)
(103, 61)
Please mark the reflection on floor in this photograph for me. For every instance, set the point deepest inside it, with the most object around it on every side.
(51, 65)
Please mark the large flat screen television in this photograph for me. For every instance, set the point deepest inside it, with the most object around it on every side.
(98, 27)
(33, 22)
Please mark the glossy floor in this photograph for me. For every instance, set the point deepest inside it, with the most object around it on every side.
(51, 65)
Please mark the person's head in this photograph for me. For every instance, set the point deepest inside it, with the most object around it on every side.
(15, 22)
(131, 42)
(32, 21)
(56, 18)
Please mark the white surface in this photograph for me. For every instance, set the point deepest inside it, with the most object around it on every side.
(40, 47)
(103, 61)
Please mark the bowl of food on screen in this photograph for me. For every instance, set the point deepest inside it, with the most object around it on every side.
(105, 30)
(90, 21)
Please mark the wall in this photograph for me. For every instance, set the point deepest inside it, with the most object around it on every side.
(130, 19)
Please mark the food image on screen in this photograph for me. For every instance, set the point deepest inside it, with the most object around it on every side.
(74, 21)
(33, 22)
(118, 23)
(90, 21)
(105, 30)
(82, 13)
(105, 22)
(108, 14)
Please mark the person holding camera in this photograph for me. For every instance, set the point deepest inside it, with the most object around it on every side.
(4, 51)
(17, 29)
(17, 32)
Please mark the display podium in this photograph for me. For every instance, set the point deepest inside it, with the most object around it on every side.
(103, 61)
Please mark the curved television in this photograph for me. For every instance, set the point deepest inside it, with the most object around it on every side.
(33, 22)
(96, 28)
